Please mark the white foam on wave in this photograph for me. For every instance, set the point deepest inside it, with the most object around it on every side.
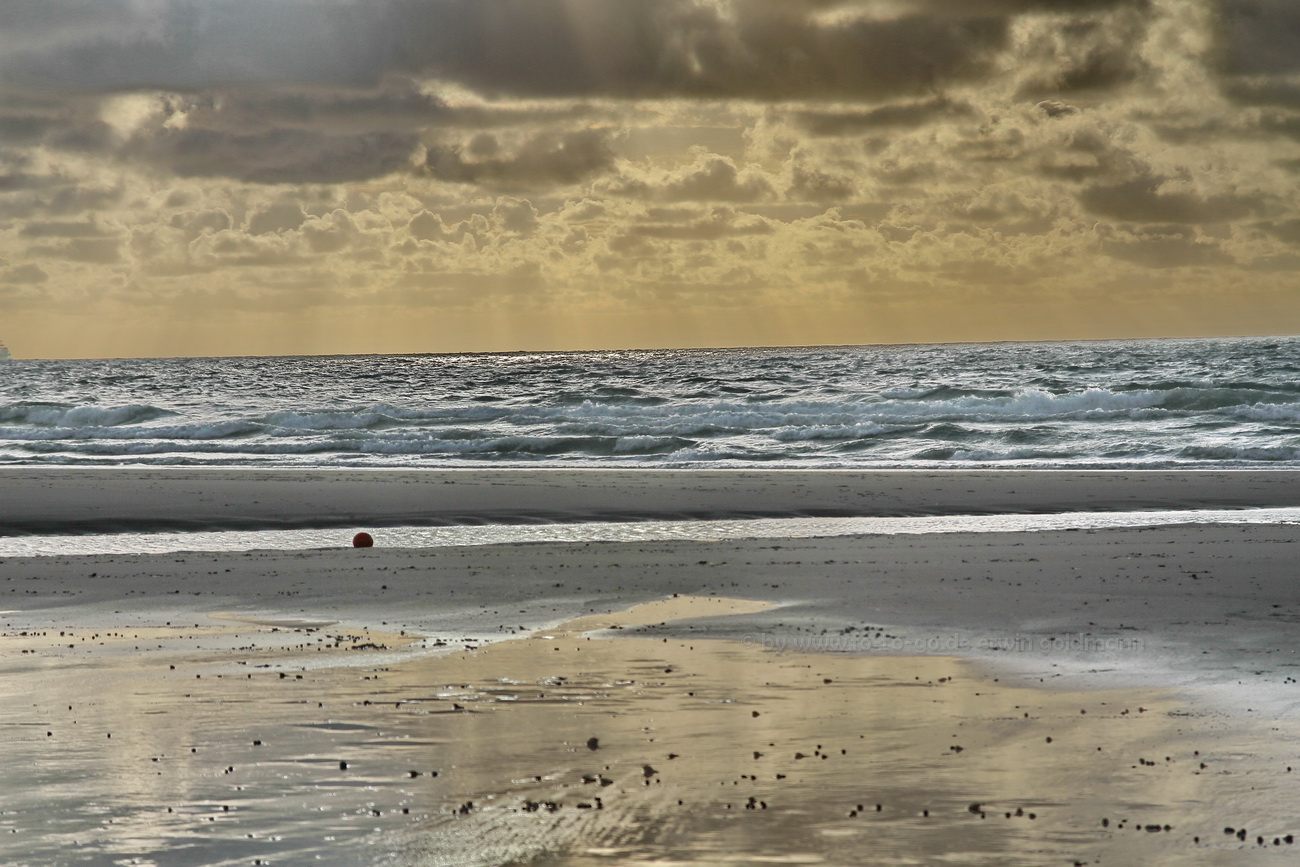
(79, 417)
(218, 430)
(1126, 404)
(634, 531)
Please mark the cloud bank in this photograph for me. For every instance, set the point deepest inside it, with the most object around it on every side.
(337, 175)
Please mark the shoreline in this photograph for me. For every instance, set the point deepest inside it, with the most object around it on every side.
(86, 500)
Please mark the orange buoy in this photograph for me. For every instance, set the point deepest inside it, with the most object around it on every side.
(363, 540)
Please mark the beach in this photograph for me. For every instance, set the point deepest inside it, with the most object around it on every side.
(123, 499)
(907, 699)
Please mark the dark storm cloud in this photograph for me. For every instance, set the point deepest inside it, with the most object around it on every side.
(904, 115)
(1261, 36)
(1263, 90)
(277, 155)
(36, 26)
(64, 229)
(663, 48)
(284, 135)
(1088, 55)
(814, 185)
(29, 188)
(331, 135)
(1260, 51)
(754, 49)
(1286, 230)
(1142, 201)
(114, 45)
(394, 104)
(543, 160)
(65, 122)
(24, 129)
(760, 49)
(24, 275)
(280, 217)
(100, 251)
(59, 198)
(328, 91)
(12, 181)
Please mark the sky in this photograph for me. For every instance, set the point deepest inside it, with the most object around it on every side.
(265, 177)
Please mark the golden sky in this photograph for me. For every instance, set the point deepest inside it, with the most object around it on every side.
(230, 177)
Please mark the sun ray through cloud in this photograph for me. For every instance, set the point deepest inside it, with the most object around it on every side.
(458, 175)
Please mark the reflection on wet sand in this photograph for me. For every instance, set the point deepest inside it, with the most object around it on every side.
(568, 747)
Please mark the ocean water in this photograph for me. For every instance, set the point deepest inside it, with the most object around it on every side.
(621, 531)
(1108, 404)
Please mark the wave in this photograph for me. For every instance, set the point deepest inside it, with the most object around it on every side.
(1136, 403)
(517, 446)
(1251, 454)
(948, 392)
(62, 415)
(197, 432)
(1041, 405)
(507, 446)
(313, 420)
(785, 420)
(832, 433)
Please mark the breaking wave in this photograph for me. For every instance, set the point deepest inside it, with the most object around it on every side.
(1137, 403)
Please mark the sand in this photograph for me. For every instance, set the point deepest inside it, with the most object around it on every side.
(294, 706)
(52, 500)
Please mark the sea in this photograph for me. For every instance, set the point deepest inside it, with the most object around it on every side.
(1195, 403)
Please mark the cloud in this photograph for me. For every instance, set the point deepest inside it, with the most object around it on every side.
(430, 156)
(904, 114)
(1164, 248)
(1286, 230)
(763, 49)
(710, 178)
(1258, 37)
(1086, 55)
(278, 156)
(503, 222)
(117, 45)
(67, 122)
(101, 251)
(812, 184)
(24, 275)
(542, 160)
(279, 217)
(233, 249)
(331, 233)
(515, 215)
(395, 104)
(720, 223)
(63, 229)
(244, 76)
(1150, 200)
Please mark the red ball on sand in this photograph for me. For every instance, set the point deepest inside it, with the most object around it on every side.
(363, 540)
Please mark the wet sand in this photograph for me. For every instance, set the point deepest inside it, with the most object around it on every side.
(573, 748)
(78, 499)
(294, 706)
